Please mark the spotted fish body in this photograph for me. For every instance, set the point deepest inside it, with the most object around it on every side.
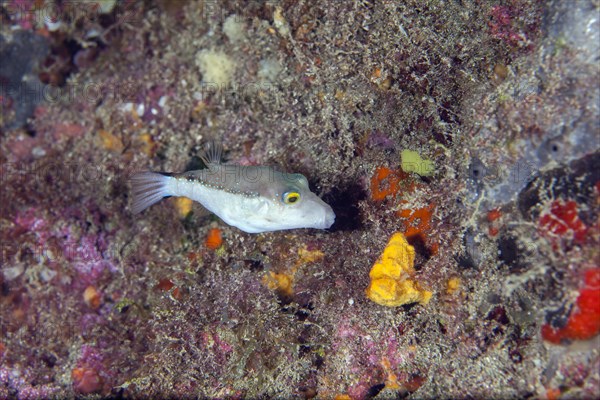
(252, 198)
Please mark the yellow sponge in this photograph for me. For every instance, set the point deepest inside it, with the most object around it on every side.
(391, 276)
(412, 162)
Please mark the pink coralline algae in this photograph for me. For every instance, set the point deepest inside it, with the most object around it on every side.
(56, 241)
(380, 140)
(23, 11)
(86, 255)
(14, 380)
(31, 221)
(152, 101)
(502, 26)
(25, 148)
(220, 348)
(375, 362)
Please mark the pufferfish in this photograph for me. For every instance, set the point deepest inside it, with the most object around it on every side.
(252, 198)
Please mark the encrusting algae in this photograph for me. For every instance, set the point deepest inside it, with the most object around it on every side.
(283, 282)
(391, 276)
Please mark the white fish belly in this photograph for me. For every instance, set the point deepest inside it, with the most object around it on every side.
(228, 206)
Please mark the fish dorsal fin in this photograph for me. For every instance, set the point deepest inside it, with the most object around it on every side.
(211, 154)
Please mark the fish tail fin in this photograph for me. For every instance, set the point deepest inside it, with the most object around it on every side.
(148, 188)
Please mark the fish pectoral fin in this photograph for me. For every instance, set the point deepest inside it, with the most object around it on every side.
(261, 207)
(200, 210)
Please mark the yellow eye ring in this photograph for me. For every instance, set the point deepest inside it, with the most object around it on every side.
(291, 197)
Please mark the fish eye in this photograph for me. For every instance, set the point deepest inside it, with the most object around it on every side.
(291, 197)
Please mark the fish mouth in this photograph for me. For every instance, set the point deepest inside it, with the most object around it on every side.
(324, 218)
(329, 218)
